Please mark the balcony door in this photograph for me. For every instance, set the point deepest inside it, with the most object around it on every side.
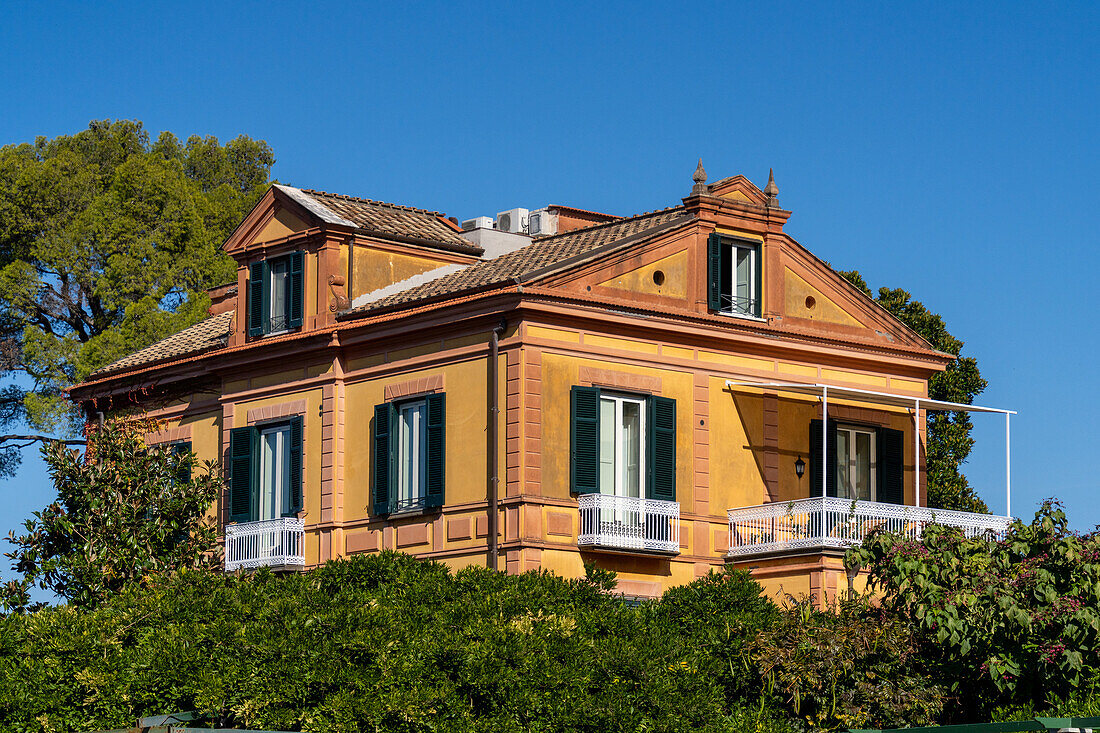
(274, 494)
(856, 465)
(622, 453)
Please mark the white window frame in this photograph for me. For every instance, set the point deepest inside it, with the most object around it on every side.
(274, 491)
(271, 311)
(852, 431)
(415, 436)
(619, 464)
(754, 263)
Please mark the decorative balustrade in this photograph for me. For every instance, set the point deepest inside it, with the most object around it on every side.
(626, 523)
(829, 522)
(267, 543)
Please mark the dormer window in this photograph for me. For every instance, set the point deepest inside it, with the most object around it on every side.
(275, 295)
(733, 276)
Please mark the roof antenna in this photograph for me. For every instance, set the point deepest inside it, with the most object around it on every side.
(772, 190)
(700, 178)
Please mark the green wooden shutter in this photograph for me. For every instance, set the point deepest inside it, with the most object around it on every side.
(295, 293)
(257, 313)
(891, 466)
(584, 440)
(384, 460)
(294, 482)
(183, 470)
(815, 458)
(661, 454)
(436, 449)
(242, 473)
(714, 272)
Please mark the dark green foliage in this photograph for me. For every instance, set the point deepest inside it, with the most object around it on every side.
(389, 643)
(1002, 622)
(107, 243)
(385, 642)
(851, 666)
(949, 440)
(124, 514)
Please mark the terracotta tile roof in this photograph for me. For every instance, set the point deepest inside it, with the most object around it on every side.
(203, 336)
(394, 220)
(538, 255)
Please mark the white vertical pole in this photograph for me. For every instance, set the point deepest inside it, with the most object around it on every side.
(824, 453)
(916, 452)
(1008, 466)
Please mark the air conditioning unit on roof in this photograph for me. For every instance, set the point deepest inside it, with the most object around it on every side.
(478, 222)
(513, 220)
(542, 223)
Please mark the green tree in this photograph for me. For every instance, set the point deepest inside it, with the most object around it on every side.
(107, 244)
(124, 513)
(949, 441)
(1012, 621)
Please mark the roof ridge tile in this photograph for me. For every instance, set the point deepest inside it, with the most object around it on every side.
(402, 207)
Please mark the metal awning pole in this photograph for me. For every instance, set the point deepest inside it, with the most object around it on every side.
(1008, 466)
(916, 452)
(824, 453)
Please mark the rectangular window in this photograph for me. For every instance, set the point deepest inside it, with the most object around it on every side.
(409, 461)
(265, 479)
(275, 294)
(412, 458)
(274, 494)
(739, 295)
(734, 276)
(622, 445)
(278, 313)
(855, 463)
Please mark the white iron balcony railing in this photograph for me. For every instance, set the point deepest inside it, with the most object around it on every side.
(828, 522)
(626, 523)
(267, 543)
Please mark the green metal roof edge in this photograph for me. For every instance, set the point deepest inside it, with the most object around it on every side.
(1006, 727)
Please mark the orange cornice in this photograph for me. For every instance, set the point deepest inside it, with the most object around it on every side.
(593, 307)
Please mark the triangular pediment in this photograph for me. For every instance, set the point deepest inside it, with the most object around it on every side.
(738, 188)
(275, 216)
(817, 299)
(654, 270)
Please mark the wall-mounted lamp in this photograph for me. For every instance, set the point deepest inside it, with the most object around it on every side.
(799, 467)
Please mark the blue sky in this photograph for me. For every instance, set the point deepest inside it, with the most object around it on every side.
(951, 151)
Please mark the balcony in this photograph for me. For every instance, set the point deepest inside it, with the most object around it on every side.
(626, 523)
(275, 543)
(823, 523)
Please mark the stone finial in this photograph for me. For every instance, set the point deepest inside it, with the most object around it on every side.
(772, 190)
(700, 178)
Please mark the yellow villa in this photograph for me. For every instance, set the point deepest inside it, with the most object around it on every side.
(659, 394)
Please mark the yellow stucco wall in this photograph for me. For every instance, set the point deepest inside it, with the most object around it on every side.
(560, 373)
(673, 277)
(205, 442)
(736, 443)
(465, 386)
(284, 223)
(802, 300)
(376, 268)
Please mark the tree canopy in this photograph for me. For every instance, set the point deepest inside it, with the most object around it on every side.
(108, 241)
(124, 514)
(949, 442)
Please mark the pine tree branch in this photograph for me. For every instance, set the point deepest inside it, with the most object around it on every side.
(29, 439)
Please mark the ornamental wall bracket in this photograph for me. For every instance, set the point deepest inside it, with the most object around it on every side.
(340, 300)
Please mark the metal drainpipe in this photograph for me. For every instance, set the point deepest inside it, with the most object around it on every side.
(351, 269)
(491, 441)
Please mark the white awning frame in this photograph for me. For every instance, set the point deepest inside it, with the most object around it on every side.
(884, 398)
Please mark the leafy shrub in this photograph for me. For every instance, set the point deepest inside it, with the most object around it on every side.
(1010, 622)
(850, 666)
(381, 642)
